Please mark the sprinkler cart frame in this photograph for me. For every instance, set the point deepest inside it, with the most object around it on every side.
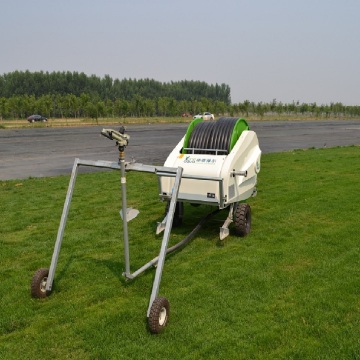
(43, 279)
(158, 308)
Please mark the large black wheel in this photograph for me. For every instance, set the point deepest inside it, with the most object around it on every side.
(242, 219)
(159, 315)
(178, 215)
(38, 283)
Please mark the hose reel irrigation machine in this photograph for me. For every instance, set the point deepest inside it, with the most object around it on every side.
(215, 163)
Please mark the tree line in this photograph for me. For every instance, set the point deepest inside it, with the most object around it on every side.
(87, 106)
(260, 109)
(20, 83)
(74, 95)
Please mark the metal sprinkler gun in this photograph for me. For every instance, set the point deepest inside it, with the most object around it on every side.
(122, 140)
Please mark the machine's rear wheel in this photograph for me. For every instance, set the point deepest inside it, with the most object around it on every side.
(242, 219)
(38, 283)
(179, 213)
(159, 315)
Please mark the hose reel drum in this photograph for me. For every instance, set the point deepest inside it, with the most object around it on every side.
(223, 159)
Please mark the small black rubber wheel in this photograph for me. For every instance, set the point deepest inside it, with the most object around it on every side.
(159, 315)
(38, 283)
(242, 219)
(178, 215)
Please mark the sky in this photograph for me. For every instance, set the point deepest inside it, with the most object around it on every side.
(288, 50)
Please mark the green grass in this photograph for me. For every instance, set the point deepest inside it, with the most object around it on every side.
(290, 290)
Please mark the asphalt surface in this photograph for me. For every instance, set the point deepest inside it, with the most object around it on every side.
(50, 151)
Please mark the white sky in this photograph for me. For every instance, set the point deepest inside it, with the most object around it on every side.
(299, 50)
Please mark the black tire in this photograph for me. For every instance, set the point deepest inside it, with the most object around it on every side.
(38, 283)
(159, 315)
(242, 219)
(178, 215)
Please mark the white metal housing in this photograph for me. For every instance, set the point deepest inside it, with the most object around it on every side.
(216, 179)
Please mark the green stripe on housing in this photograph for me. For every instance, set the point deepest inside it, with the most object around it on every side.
(239, 127)
(188, 133)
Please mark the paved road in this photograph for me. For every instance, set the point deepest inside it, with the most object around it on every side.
(50, 151)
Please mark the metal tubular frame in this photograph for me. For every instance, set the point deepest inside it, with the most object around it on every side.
(167, 222)
(160, 259)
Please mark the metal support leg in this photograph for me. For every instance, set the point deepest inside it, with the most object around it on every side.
(224, 230)
(61, 229)
(161, 225)
(124, 213)
(165, 241)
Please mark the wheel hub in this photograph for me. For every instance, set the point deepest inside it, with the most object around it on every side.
(162, 316)
(43, 284)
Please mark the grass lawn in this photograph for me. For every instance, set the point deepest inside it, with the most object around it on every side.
(290, 290)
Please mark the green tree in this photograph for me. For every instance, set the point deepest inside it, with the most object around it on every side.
(121, 107)
(163, 106)
(4, 108)
(137, 106)
(149, 107)
(45, 105)
(91, 111)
